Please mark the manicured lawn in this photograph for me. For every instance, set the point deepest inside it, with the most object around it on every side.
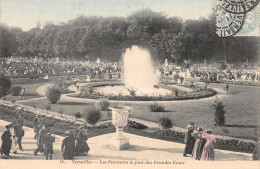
(67, 107)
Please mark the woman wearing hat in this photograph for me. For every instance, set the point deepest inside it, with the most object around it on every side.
(208, 150)
(197, 146)
(187, 139)
(6, 141)
(14, 139)
(81, 141)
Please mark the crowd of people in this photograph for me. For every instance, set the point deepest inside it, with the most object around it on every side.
(74, 144)
(208, 74)
(199, 143)
(40, 67)
(17, 67)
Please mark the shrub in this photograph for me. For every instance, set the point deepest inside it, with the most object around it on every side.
(53, 95)
(219, 112)
(16, 90)
(93, 115)
(78, 115)
(155, 107)
(5, 86)
(47, 107)
(165, 122)
(104, 104)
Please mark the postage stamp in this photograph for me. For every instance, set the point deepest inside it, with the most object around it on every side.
(237, 18)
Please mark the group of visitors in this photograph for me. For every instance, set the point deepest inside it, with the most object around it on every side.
(177, 74)
(199, 143)
(73, 144)
(17, 67)
(12, 137)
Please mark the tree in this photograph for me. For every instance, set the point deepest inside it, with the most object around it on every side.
(5, 86)
(219, 112)
(8, 42)
(107, 38)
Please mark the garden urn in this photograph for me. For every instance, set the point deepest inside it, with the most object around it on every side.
(120, 116)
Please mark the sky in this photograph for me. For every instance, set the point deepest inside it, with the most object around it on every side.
(27, 13)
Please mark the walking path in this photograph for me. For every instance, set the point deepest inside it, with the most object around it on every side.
(141, 149)
(67, 97)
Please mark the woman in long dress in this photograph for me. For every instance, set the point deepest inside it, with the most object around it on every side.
(81, 141)
(208, 150)
(197, 146)
(14, 140)
(6, 141)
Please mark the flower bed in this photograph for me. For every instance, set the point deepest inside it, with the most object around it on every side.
(88, 92)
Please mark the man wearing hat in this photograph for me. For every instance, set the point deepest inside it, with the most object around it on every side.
(192, 139)
(187, 139)
(68, 146)
(6, 141)
(48, 140)
(42, 133)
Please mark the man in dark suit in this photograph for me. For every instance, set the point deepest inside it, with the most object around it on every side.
(187, 139)
(40, 142)
(48, 140)
(68, 146)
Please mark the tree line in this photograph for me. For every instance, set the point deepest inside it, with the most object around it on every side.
(108, 38)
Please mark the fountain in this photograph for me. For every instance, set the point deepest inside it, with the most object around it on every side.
(138, 69)
(139, 76)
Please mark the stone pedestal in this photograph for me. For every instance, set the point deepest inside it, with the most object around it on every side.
(119, 120)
